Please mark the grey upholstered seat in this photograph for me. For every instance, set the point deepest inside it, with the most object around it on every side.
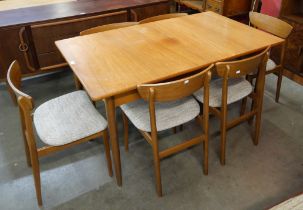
(238, 88)
(270, 65)
(67, 118)
(168, 114)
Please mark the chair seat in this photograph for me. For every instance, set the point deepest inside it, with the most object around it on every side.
(196, 5)
(168, 114)
(238, 88)
(270, 65)
(67, 118)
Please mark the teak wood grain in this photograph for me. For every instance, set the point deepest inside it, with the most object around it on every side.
(111, 64)
(116, 61)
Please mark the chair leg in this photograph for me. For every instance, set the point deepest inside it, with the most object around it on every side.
(223, 136)
(36, 174)
(279, 83)
(181, 127)
(125, 127)
(107, 153)
(157, 170)
(258, 121)
(174, 130)
(205, 151)
(77, 83)
(243, 106)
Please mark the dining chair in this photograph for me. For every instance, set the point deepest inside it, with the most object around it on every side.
(167, 105)
(98, 29)
(193, 4)
(278, 28)
(230, 87)
(107, 27)
(60, 123)
(162, 17)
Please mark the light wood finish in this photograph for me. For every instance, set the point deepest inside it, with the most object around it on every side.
(98, 29)
(162, 17)
(276, 27)
(170, 91)
(30, 32)
(107, 27)
(33, 153)
(237, 69)
(154, 52)
(115, 68)
(270, 24)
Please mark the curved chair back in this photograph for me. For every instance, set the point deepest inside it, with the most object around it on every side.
(25, 102)
(162, 17)
(240, 68)
(270, 24)
(174, 90)
(107, 27)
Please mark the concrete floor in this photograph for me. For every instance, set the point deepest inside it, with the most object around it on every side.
(255, 177)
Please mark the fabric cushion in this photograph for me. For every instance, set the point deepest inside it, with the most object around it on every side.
(67, 118)
(238, 88)
(295, 203)
(168, 114)
(270, 65)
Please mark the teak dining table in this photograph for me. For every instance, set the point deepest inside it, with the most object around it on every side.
(111, 64)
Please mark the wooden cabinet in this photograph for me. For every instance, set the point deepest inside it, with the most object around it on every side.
(229, 7)
(141, 13)
(28, 34)
(45, 35)
(11, 48)
(292, 12)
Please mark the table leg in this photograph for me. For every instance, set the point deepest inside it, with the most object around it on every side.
(112, 125)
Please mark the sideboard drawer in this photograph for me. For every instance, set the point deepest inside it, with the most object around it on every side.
(45, 35)
(215, 6)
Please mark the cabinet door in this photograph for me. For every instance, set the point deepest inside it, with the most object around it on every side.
(45, 35)
(11, 49)
(141, 13)
(236, 7)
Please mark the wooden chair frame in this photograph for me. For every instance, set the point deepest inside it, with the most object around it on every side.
(170, 91)
(278, 28)
(236, 69)
(33, 153)
(162, 17)
(188, 5)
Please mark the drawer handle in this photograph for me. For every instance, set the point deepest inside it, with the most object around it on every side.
(209, 6)
(23, 47)
(217, 10)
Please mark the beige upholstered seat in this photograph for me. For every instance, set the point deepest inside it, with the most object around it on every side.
(168, 114)
(61, 123)
(75, 111)
(238, 88)
(270, 65)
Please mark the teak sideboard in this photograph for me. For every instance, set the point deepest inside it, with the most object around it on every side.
(28, 34)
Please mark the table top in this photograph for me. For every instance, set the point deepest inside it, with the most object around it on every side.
(116, 61)
(68, 9)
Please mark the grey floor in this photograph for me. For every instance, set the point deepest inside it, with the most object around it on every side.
(255, 177)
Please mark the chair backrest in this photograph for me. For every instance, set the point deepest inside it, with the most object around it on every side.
(25, 102)
(174, 90)
(162, 17)
(255, 64)
(240, 68)
(107, 27)
(270, 24)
